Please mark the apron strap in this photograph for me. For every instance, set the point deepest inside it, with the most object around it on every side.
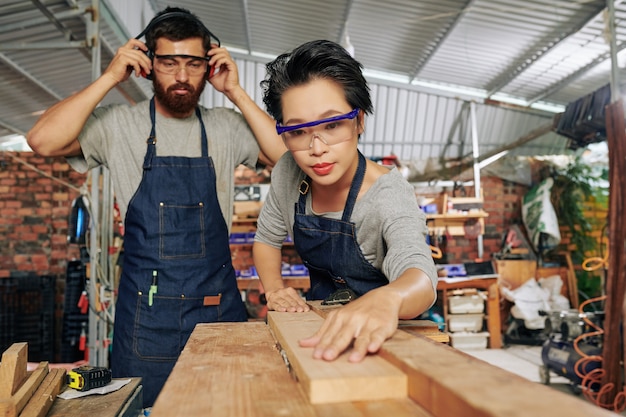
(151, 151)
(151, 141)
(204, 141)
(355, 187)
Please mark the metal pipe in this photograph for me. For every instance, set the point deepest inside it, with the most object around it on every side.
(476, 155)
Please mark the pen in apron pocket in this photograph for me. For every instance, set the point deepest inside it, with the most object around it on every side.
(153, 287)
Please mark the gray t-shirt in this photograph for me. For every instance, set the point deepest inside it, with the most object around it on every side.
(115, 136)
(390, 226)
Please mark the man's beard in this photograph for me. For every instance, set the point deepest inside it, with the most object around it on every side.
(178, 105)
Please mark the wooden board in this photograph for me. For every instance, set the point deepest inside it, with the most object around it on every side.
(13, 369)
(339, 380)
(236, 370)
(113, 404)
(12, 406)
(234, 367)
(448, 382)
(44, 397)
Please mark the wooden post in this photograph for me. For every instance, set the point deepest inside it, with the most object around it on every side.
(616, 280)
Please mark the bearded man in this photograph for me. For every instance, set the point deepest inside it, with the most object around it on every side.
(172, 163)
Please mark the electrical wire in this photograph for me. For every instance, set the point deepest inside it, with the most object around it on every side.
(105, 314)
(593, 378)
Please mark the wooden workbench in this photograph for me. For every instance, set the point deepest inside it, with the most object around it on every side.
(125, 402)
(237, 369)
(489, 283)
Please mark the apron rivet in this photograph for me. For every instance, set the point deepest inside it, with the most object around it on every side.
(182, 296)
(201, 204)
(139, 293)
(161, 204)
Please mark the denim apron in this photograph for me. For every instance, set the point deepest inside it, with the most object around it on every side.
(329, 248)
(177, 268)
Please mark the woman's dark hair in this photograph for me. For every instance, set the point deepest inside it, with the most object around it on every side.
(181, 25)
(320, 59)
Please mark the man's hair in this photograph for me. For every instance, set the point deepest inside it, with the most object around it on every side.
(177, 27)
(319, 59)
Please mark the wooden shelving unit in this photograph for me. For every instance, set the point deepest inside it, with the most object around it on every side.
(244, 221)
(457, 216)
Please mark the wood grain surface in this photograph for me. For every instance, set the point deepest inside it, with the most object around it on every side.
(338, 381)
(236, 370)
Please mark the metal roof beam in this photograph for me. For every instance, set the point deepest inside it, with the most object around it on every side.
(23, 46)
(246, 24)
(111, 18)
(421, 65)
(564, 82)
(343, 32)
(12, 128)
(540, 48)
(17, 68)
(55, 21)
(25, 24)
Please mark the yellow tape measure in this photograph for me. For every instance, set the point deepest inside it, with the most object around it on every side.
(87, 377)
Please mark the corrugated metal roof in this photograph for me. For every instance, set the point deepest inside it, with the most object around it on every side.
(425, 60)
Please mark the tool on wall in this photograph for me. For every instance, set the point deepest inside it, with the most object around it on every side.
(79, 221)
(511, 241)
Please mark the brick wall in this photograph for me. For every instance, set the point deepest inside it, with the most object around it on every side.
(502, 201)
(35, 213)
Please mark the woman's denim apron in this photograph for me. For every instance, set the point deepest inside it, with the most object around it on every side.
(177, 269)
(329, 248)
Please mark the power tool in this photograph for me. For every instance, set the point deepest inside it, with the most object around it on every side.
(87, 377)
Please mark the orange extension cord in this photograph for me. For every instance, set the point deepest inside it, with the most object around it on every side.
(594, 377)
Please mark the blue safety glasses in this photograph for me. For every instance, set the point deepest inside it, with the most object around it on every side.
(330, 131)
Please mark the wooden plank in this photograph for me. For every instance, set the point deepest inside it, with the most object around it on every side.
(447, 382)
(339, 380)
(402, 407)
(11, 407)
(13, 369)
(426, 328)
(236, 370)
(109, 405)
(44, 397)
(7, 408)
(230, 369)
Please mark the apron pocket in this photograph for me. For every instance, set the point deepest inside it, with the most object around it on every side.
(181, 230)
(157, 332)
